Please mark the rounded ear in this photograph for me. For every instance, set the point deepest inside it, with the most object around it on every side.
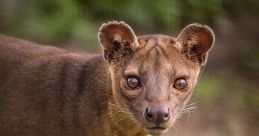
(115, 37)
(195, 41)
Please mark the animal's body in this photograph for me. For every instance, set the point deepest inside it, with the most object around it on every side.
(138, 86)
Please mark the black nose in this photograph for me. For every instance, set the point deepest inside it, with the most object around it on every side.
(157, 114)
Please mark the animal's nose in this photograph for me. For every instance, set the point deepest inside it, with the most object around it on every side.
(157, 115)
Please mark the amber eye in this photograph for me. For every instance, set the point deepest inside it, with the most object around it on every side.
(133, 82)
(180, 83)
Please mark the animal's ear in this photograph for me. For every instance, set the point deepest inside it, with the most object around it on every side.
(117, 39)
(195, 42)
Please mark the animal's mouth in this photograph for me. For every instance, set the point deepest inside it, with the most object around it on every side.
(157, 127)
(157, 130)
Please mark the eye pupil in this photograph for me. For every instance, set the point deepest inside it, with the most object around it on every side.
(133, 82)
(180, 84)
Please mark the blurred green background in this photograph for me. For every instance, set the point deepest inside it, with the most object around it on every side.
(227, 95)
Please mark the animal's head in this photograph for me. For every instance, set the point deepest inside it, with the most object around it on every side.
(153, 76)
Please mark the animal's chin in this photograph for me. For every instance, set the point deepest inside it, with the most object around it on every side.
(152, 128)
(156, 131)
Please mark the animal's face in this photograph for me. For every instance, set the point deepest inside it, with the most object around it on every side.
(153, 76)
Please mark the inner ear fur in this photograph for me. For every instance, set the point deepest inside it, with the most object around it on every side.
(115, 38)
(195, 41)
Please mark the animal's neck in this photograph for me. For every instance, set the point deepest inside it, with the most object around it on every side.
(122, 123)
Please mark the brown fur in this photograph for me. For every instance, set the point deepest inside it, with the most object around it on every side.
(48, 91)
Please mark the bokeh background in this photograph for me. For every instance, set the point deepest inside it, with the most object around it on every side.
(227, 96)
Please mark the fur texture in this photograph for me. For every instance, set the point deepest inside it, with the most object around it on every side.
(48, 91)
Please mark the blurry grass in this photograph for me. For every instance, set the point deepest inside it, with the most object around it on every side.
(55, 21)
(236, 91)
(209, 89)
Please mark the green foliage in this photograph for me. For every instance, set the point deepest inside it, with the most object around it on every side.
(57, 20)
(234, 90)
(209, 89)
(156, 15)
(51, 19)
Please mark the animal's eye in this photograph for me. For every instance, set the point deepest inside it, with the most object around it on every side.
(180, 83)
(133, 82)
